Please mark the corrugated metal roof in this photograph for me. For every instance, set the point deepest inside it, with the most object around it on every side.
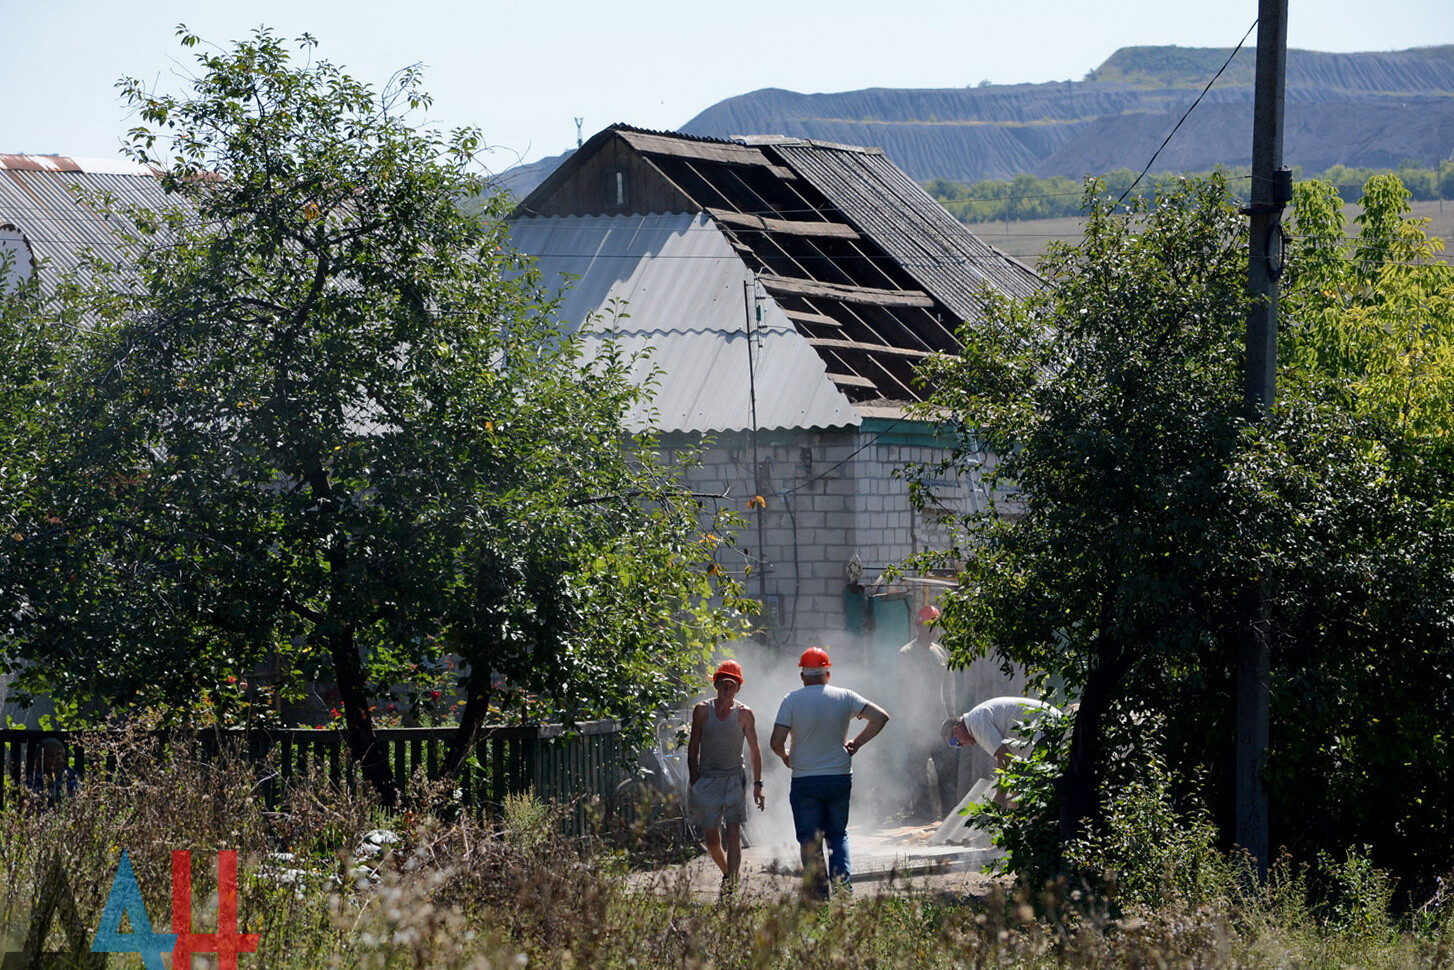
(681, 292)
(945, 258)
(38, 197)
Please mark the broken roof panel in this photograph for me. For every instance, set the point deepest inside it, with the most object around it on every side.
(881, 201)
(869, 269)
(683, 296)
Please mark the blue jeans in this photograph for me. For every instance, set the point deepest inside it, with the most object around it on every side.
(820, 808)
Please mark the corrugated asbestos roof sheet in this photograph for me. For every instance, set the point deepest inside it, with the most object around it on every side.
(38, 197)
(681, 295)
(882, 202)
(870, 270)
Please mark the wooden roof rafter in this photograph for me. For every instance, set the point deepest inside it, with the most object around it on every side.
(771, 258)
(687, 180)
(897, 381)
(789, 227)
(878, 263)
(857, 345)
(847, 294)
(720, 153)
(757, 203)
(860, 323)
(871, 371)
(812, 318)
(821, 266)
(853, 380)
(920, 327)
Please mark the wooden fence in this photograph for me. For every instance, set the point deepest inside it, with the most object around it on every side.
(556, 765)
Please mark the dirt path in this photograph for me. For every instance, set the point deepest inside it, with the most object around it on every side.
(893, 862)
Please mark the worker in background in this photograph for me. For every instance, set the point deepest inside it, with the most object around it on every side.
(1002, 726)
(926, 699)
(815, 719)
(717, 798)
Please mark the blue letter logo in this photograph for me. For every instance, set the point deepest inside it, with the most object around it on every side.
(125, 900)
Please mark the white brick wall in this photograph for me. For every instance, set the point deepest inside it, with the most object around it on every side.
(847, 502)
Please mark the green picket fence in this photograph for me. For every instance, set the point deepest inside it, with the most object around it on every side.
(555, 764)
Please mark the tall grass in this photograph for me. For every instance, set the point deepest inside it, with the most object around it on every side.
(328, 880)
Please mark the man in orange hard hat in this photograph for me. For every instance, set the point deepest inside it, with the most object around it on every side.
(816, 717)
(925, 695)
(717, 798)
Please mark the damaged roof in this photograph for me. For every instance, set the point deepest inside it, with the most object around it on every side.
(868, 269)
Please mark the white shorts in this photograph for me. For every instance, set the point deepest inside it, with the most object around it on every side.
(715, 801)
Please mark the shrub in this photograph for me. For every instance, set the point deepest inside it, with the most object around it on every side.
(1147, 852)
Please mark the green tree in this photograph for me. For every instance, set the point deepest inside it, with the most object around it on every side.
(36, 340)
(1372, 315)
(324, 423)
(1111, 399)
(1365, 568)
(1140, 503)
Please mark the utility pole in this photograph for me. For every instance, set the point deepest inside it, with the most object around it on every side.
(754, 314)
(1271, 191)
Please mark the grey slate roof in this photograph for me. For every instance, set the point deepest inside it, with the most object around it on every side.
(680, 289)
(880, 200)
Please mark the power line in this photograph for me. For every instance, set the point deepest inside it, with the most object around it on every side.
(1187, 113)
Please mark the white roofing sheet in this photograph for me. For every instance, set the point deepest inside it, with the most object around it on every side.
(679, 288)
(36, 198)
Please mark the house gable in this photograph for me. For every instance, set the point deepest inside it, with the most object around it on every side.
(849, 249)
(606, 176)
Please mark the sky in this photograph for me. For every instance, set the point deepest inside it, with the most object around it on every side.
(523, 71)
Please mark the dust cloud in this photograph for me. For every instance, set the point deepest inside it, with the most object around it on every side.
(882, 770)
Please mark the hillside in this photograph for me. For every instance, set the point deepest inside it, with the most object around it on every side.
(1369, 109)
(1357, 109)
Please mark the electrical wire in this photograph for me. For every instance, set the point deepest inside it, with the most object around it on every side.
(949, 205)
(846, 459)
(1187, 113)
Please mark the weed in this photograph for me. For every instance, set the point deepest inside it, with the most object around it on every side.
(328, 881)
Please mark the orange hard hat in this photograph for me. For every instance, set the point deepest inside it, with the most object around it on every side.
(730, 669)
(814, 658)
(928, 614)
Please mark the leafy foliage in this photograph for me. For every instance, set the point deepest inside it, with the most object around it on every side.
(1356, 484)
(1150, 851)
(1110, 402)
(326, 424)
(1135, 504)
(459, 893)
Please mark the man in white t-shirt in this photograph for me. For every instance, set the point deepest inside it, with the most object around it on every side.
(1003, 726)
(816, 717)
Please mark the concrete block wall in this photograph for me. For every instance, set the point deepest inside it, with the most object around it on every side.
(831, 496)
